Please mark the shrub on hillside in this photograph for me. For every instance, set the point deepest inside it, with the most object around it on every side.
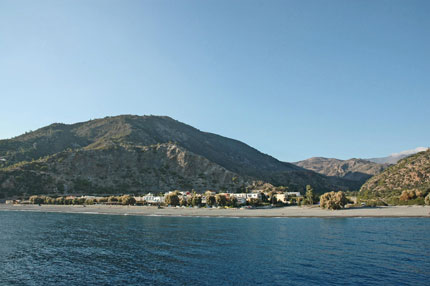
(410, 195)
(427, 200)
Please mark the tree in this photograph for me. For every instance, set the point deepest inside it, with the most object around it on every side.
(309, 195)
(128, 200)
(210, 200)
(254, 202)
(407, 195)
(172, 199)
(196, 200)
(102, 200)
(208, 193)
(264, 198)
(273, 200)
(36, 200)
(78, 201)
(333, 200)
(233, 202)
(427, 200)
(221, 200)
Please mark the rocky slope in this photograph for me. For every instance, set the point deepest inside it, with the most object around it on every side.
(411, 173)
(353, 169)
(118, 169)
(138, 154)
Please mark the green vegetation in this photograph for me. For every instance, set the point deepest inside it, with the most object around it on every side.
(411, 173)
(375, 203)
(124, 200)
(126, 154)
(128, 200)
(220, 200)
(196, 200)
(172, 199)
(309, 195)
(333, 200)
(427, 200)
(210, 199)
(254, 202)
(411, 195)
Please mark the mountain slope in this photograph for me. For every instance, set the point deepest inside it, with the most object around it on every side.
(142, 131)
(411, 173)
(118, 169)
(87, 144)
(353, 169)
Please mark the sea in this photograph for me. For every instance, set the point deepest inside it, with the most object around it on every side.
(90, 249)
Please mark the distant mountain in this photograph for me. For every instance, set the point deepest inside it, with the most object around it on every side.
(353, 169)
(411, 173)
(394, 158)
(131, 153)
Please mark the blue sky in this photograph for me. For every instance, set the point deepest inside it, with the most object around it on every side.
(294, 79)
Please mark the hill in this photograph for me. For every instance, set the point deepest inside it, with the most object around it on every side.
(131, 153)
(353, 169)
(411, 173)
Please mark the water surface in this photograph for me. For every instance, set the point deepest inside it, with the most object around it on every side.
(82, 249)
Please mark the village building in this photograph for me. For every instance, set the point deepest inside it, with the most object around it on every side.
(294, 194)
(153, 199)
(281, 197)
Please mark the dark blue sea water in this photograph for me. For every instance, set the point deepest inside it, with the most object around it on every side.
(74, 249)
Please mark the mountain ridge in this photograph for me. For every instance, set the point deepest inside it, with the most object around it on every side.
(396, 157)
(129, 132)
(354, 169)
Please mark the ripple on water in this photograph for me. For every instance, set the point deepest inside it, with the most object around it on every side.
(74, 249)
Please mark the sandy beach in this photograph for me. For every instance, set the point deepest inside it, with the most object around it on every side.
(294, 211)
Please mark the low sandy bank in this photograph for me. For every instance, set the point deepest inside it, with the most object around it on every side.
(392, 211)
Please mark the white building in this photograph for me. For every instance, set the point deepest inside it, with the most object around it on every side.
(153, 199)
(247, 196)
(297, 194)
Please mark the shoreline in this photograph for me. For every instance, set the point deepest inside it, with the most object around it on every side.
(283, 212)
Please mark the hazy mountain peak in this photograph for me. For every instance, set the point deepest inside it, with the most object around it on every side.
(395, 157)
(410, 152)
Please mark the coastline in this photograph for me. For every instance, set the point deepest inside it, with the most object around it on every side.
(284, 212)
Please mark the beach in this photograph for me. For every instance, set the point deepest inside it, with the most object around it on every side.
(292, 211)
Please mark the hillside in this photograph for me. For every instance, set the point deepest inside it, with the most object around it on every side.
(411, 173)
(353, 169)
(113, 155)
(141, 131)
(118, 169)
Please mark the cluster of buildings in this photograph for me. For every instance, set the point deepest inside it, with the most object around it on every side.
(241, 198)
(154, 199)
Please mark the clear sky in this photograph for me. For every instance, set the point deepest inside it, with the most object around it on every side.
(294, 79)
